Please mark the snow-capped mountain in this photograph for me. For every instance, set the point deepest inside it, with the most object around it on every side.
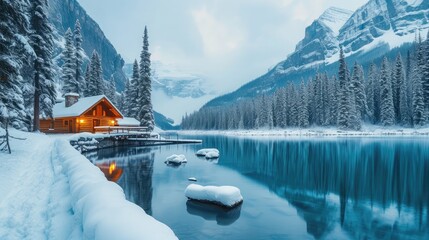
(379, 23)
(371, 31)
(320, 41)
(171, 84)
(174, 82)
(63, 15)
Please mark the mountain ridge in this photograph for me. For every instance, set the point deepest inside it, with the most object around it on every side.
(374, 29)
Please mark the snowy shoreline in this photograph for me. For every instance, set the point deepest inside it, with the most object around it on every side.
(65, 196)
(370, 131)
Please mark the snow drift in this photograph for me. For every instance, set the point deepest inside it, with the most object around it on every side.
(100, 206)
(226, 196)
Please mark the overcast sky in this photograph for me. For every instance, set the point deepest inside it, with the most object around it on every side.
(230, 42)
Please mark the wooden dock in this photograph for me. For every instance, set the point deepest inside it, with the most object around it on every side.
(167, 141)
(108, 137)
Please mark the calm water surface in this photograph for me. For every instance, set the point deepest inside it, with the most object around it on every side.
(293, 189)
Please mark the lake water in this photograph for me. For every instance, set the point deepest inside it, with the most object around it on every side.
(360, 188)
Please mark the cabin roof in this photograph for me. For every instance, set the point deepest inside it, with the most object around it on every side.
(80, 107)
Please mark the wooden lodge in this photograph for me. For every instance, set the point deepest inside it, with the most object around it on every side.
(81, 115)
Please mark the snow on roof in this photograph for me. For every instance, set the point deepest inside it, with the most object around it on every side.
(71, 94)
(128, 121)
(77, 109)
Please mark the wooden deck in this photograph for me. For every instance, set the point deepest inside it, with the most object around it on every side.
(113, 136)
(166, 141)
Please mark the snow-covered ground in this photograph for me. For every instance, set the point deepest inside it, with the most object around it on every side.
(367, 131)
(50, 191)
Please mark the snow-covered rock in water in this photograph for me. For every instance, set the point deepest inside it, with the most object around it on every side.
(203, 152)
(192, 179)
(212, 155)
(227, 196)
(176, 159)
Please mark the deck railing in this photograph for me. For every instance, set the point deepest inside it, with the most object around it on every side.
(119, 129)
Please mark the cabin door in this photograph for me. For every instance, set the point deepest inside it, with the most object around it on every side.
(95, 123)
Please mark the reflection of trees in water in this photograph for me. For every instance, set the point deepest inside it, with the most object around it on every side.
(136, 180)
(368, 173)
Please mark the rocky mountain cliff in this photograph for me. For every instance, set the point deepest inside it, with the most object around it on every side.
(63, 15)
(320, 41)
(371, 31)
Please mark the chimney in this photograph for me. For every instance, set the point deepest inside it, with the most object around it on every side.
(71, 98)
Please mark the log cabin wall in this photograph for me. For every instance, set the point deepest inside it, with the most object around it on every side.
(86, 124)
(59, 125)
(81, 124)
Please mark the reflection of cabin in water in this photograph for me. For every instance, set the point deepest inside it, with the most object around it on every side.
(81, 115)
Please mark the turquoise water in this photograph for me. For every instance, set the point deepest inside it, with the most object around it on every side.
(360, 188)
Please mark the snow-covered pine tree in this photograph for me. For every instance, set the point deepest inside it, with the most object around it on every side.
(41, 40)
(96, 84)
(303, 117)
(398, 79)
(325, 100)
(419, 118)
(409, 85)
(401, 97)
(70, 85)
(126, 99)
(79, 53)
(387, 112)
(331, 110)
(424, 68)
(13, 29)
(280, 108)
(111, 91)
(270, 117)
(370, 92)
(290, 113)
(316, 111)
(344, 94)
(262, 111)
(145, 114)
(311, 100)
(133, 93)
(359, 91)
(354, 116)
(87, 81)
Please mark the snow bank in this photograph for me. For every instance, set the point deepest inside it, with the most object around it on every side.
(100, 206)
(203, 152)
(176, 159)
(226, 196)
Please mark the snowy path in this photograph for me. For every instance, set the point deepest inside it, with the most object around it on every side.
(28, 201)
(48, 190)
